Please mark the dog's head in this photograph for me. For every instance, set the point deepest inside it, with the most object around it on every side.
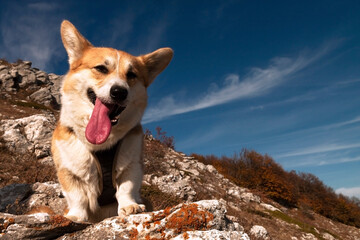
(110, 82)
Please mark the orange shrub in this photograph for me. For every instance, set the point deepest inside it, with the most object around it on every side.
(260, 172)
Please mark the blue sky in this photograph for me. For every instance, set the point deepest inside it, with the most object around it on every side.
(278, 77)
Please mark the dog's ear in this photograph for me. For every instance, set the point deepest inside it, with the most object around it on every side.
(74, 43)
(156, 62)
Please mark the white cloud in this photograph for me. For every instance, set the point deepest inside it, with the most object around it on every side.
(318, 160)
(309, 96)
(350, 192)
(31, 32)
(156, 35)
(319, 149)
(344, 123)
(122, 25)
(43, 6)
(257, 82)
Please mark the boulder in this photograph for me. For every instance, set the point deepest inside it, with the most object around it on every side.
(259, 232)
(44, 87)
(43, 96)
(36, 226)
(28, 78)
(29, 134)
(7, 82)
(11, 194)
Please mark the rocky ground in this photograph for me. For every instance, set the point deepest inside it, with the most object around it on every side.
(185, 198)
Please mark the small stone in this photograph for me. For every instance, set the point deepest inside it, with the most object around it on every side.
(259, 232)
(2, 67)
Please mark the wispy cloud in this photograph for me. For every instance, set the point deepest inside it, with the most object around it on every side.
(350, 192)
(309, 96)
(30, 32)
(320, 159)
(320, 149)
(43, 6)
(257, 82)
(328, 144)
(125, 34)
(344, 123)
(120, 29)
(319, 129)
(157, 35)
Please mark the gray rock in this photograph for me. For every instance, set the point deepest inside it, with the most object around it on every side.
(308, 236)
(43, 96)
(250, 197)
(28, 78)
(12, 194)
(211, 169)
(270, 207)
(7, 82)
(24, 64)
(213, 235)
(55, 88)
(37, 226)
(41, 77)
(328, 236)
(23, 198)
(53, 76)
(259, 232)
(29, 134)
(13, 72)
(202, 219)
(3, 70)
(46, 194)
(2, 67)
(175, 184)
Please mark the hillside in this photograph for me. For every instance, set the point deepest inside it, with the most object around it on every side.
(188, 197)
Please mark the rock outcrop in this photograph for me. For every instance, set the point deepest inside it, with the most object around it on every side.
(31, 134)
(44, 88)
(198, 220)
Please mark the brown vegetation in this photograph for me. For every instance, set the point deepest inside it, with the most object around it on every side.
(162, 138)
(3, 61)
(156, 200)
(303, 190)
(22, 168)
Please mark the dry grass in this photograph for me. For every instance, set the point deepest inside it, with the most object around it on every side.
(156, 200)
(23, 168)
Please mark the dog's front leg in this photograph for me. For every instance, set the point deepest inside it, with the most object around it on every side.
(128, 173)
(78, 175)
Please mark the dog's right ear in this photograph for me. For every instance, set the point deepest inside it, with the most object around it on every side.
(74, 43)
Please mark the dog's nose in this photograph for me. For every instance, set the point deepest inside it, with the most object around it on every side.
(118, 93)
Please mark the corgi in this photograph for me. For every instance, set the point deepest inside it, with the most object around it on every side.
(97, 143)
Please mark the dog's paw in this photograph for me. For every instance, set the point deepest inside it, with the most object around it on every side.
(73, 218)
(131, 209)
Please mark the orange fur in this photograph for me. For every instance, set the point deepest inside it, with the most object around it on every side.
(41, 209)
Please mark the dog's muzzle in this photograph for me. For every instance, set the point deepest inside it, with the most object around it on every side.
(118, 94)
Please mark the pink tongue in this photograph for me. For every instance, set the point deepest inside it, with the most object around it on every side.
(99, 126)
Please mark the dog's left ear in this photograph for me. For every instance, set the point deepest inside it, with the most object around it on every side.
(156, 62)
(74, 43)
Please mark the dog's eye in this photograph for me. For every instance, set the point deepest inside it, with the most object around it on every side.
(101, 69)
(130, 75)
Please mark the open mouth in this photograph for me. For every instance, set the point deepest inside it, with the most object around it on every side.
(103, 117)
(115, 114)
(115, 109)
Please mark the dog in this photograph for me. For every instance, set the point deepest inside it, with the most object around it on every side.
(97, 143)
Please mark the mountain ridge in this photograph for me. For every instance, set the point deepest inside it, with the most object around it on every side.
(172, 180)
